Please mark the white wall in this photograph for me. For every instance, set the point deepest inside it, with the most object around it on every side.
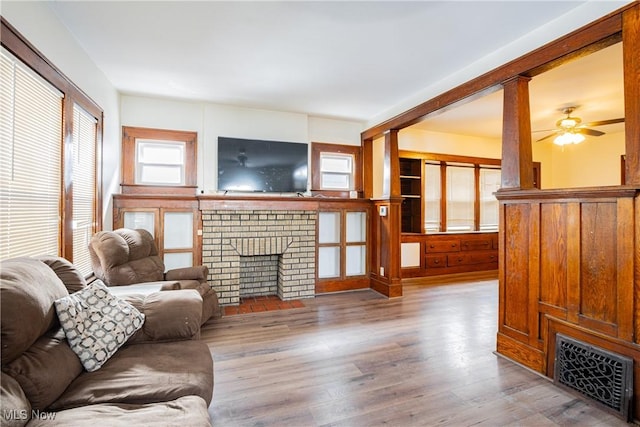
(214, 120)
(40, 26)
(592, 163)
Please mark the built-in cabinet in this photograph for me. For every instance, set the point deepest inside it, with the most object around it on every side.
(342, 236)
(448, 253)
(174, 223)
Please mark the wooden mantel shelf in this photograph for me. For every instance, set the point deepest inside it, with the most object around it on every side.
(242, 202)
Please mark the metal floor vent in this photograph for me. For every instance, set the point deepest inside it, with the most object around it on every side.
(596, 373)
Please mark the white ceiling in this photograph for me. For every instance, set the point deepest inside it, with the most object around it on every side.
(350, 60)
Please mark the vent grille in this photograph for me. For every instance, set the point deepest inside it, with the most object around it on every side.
(596, 373)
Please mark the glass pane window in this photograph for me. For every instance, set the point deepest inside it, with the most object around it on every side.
(177, 260)
(356, 260)
(328, 262)
(178, 230)
(432, 198)
(460, 198)
(144, 220)
(356, 227)
(160, 162)
(489, 184)
(329, 227)
(336, 171)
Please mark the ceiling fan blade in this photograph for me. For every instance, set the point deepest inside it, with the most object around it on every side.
(591, 132)
(546, 137)
(542, 130)
(605, 122)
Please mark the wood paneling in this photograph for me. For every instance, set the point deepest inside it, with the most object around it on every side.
(516, 262)
(553, 255)
(598, 262)
(587, 242)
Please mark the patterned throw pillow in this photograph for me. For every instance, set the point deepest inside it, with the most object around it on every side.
(97, 323)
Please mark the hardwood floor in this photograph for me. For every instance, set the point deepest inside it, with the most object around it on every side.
(359, 359)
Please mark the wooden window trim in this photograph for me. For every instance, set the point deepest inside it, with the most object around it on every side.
(129, 137)
(317, 148)
(22, 49)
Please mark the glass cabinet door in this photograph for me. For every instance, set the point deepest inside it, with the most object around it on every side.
(178, 242)
(356, 243)
(342, 244)
(329, 253)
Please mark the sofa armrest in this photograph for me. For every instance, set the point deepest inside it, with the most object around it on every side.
(199, 272)
(169, 316)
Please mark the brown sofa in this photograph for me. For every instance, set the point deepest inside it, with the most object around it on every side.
(162, 376)
(128, 259)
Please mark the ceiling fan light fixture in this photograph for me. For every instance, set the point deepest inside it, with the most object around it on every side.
(566, 138)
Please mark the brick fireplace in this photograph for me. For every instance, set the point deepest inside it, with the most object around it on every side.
(260, 240)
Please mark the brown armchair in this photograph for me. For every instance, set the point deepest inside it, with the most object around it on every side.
(128, 261)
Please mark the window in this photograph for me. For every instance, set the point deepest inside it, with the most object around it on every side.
(432, 197)
(456, 192)
(50, 134)
(335, 169)
(154, 159)
(160, 162)
(31, 126)
(489, 184)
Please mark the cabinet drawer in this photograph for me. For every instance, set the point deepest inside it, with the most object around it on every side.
(442, 246)
(475, 258)
(436, 261)
(476, 244)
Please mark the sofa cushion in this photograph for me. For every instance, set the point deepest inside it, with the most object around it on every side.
(28, 289)
(184, 411)
(145, 373)
(169, 316)
(72, 279)
(97, 323)
(15, 409)
(45, 370)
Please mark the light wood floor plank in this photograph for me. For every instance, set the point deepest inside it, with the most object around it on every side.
(359, 359)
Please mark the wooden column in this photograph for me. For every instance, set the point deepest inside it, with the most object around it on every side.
(517, 163)
(385, 274)
(631, 61)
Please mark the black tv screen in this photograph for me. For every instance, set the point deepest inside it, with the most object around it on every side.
(262, 166)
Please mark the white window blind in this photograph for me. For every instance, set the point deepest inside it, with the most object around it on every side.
(84, 182)
(460, 198)
(30, 137)
(489, 184)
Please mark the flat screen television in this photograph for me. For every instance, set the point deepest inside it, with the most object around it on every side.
(251, 165)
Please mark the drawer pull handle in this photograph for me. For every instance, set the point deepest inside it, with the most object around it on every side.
(437, 261)
(432, 246)
(453, 245)
(459, 259)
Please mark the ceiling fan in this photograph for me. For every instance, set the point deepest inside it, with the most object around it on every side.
(569, 130)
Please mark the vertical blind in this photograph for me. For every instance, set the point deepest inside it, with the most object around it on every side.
(30, 137)
(84, 183)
